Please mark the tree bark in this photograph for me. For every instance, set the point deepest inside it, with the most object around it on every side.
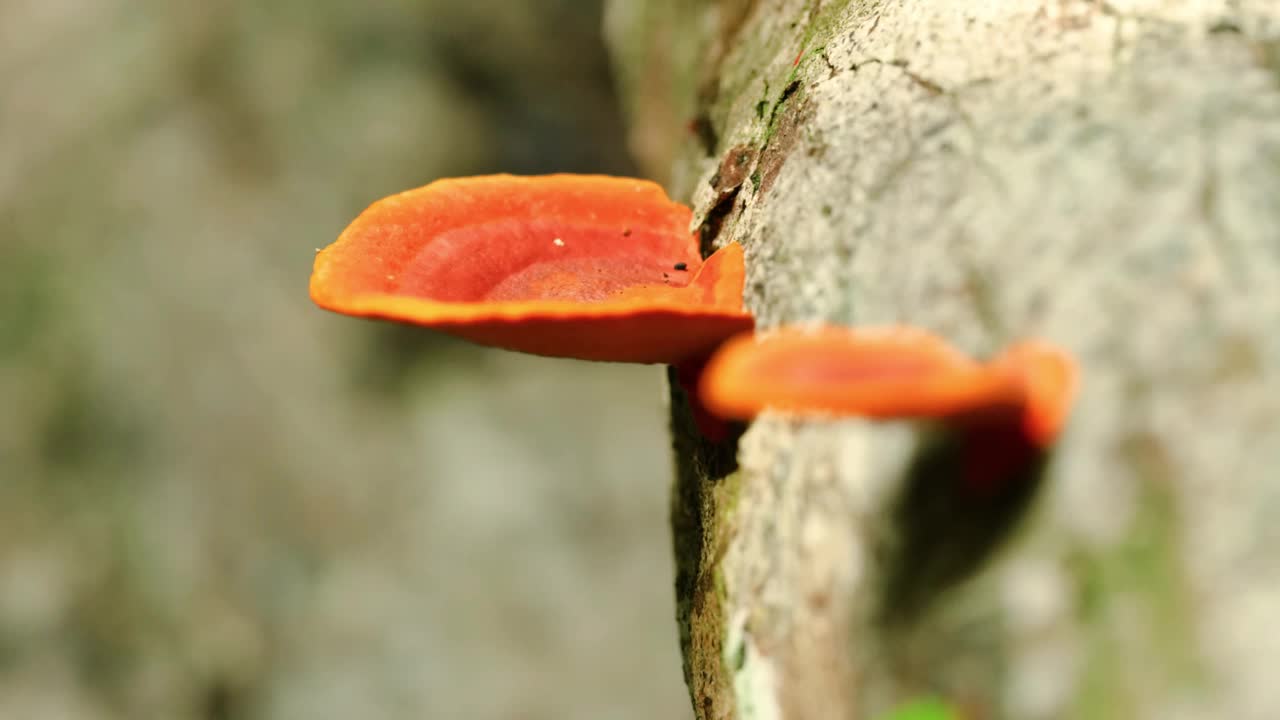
(1102, 174)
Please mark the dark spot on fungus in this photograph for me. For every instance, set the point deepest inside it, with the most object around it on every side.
(626, 232)
(681, 267)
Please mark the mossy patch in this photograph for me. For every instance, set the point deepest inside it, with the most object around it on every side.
(702, 501)
(1146, 567)
(784, 132)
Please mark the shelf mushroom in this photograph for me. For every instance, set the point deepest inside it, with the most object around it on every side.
(1007, 411)
(578, 266)
(888, 373)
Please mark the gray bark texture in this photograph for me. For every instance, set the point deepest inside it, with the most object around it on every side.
(1105, 175)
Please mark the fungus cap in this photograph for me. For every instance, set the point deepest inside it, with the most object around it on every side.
(583, 266)
(1049, 379)
(886, 373)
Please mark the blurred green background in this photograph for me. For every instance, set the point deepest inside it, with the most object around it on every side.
(217, 501)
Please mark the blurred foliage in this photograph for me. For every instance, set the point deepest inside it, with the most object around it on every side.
(219, 502)
(923, 709)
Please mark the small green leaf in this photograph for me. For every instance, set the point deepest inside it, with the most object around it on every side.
(923, 709)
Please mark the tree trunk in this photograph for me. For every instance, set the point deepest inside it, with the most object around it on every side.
(1105, 175)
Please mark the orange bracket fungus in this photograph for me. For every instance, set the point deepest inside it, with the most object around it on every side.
(888, 373)
(1008, 410)
(578, 266)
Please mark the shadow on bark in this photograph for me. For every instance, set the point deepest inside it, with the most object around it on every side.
(704, 485)
(946, 525)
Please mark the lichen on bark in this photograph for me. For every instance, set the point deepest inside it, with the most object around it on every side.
(1104, 175)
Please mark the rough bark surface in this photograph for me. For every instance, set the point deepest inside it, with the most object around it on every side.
(1103, 174)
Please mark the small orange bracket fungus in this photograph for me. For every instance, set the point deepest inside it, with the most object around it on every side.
(578, 266)
(890, 373)
(1002, 416)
